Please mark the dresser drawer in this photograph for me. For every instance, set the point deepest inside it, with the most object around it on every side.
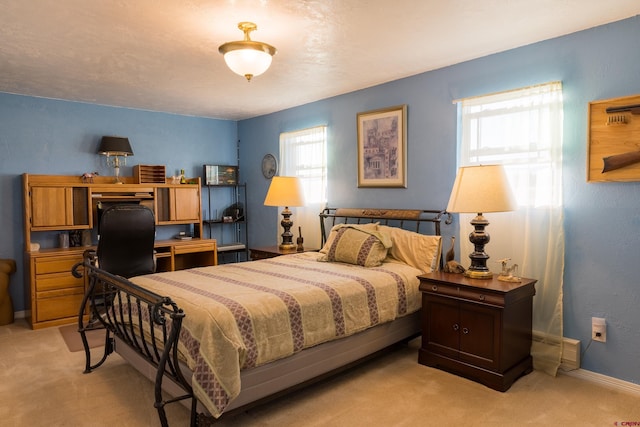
(58, 264)
(52, 281)
(58, 304)
(199, 247)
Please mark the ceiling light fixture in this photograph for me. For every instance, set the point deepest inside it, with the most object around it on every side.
(247, 58)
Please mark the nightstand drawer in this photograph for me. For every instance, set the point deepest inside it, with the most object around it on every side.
(473, 295)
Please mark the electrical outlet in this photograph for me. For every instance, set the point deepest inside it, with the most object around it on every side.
(599, 329)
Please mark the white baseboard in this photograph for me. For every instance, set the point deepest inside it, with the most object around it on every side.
(570, 349)
(570, 365)
(570, 354)
(21, 314)
(605, 381)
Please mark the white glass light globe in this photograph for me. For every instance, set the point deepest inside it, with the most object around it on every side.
(248, 62)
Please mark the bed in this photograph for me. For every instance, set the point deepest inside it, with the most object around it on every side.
(224, 337)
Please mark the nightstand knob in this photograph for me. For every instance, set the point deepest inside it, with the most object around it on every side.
(434, 288)
(465, 331)
(481, 297)
(456, 327)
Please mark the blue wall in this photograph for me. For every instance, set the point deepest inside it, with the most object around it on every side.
(602, 221)
(43, 136)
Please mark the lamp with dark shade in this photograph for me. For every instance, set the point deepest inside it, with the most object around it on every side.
(285, 191)
(115, 147)
(480, 189)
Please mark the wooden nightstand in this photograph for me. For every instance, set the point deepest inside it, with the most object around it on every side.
(479, 329)
(272, 252)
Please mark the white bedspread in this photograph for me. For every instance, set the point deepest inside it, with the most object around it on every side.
(244, 315)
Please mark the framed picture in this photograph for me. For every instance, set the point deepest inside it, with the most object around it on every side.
(382, 147)
(614, 152)
(220, 175)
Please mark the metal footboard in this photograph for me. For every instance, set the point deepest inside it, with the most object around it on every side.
(148, 323)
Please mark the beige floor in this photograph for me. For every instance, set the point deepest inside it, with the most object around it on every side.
(42, 384)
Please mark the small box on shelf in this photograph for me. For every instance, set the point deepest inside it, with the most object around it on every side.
(149, 174)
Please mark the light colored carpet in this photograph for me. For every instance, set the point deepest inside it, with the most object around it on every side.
(41, 383)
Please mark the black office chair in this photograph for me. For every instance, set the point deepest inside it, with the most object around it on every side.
(127, 235)
(125, 248)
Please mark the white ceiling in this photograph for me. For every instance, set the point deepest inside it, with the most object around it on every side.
(162, 55)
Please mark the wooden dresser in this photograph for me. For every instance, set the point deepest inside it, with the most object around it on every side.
(479, 329)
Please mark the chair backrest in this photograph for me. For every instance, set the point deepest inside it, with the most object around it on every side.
(127, 235)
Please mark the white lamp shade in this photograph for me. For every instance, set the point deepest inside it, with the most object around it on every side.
(285, 191)
(248, 61)
(481, 189)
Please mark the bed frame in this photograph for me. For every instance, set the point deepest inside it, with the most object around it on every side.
(110, 302)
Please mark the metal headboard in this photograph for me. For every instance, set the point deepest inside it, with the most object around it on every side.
(407, 219)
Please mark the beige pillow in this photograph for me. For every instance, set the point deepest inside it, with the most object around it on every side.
(417, 250)
(357, 246)
(372, 226)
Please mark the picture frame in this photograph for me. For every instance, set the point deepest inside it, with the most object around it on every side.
(382, 147)
(220, 175)
(613, 153)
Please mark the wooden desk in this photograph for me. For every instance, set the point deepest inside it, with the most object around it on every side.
(56, 295)
(175, 254)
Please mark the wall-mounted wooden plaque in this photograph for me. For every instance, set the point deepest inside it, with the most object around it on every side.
(614, 140)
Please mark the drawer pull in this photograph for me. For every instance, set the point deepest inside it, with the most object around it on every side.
(434, 288)
(465, 331)
(481, 297)
(456, 327)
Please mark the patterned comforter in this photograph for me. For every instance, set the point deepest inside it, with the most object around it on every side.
(243, 315)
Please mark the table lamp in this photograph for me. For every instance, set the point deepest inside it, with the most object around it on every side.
(115, 147)
(285, 191)
(480, 189)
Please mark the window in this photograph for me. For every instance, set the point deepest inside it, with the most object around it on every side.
(522, 130)
(303, 153)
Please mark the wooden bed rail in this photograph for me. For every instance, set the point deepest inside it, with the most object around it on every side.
(148, 323)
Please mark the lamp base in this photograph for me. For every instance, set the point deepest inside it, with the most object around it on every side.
(116, 168)
(287, 236)
(479, 238)
(478, 274)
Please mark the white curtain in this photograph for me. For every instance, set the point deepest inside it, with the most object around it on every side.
(303, 153)
(522, 130)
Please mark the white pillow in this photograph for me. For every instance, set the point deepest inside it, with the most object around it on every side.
(417, 250)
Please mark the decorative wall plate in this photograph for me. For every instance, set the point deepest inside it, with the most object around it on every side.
(269, 166)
